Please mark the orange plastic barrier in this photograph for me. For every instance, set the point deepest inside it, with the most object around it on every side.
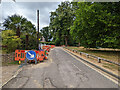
(52, 46)
(20, 55)
(47, 48)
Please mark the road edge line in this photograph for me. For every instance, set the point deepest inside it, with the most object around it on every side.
(16, 73)
(83, 61)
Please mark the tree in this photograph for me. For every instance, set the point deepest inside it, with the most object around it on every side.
(60, 22)
(21, 26)
(29, 31)
(10, 40)
(96, 24)
(15, 22)
(45, 31)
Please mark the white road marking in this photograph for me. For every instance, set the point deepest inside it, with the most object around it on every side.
(116, 82)
(76, 67)
(12, 77)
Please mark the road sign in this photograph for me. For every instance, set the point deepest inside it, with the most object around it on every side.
(30, 55)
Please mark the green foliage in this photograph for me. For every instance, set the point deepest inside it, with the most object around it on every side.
(97, 24)
(23, 29)
(32, 43)
(19, 24)
(90, 24)
(13, 63)
(60, 22)
(48, 43)
(46, 33)
(10, 40)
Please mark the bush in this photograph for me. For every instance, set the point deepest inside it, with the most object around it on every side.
(48, 43)
(10, 41)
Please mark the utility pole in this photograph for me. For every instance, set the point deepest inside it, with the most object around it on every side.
(38, 29)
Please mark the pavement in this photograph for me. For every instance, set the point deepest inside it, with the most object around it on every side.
(61, 70)
(7, 73)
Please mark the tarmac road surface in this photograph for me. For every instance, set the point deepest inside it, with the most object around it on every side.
(61, 70)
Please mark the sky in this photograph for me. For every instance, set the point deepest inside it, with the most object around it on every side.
(29, 11)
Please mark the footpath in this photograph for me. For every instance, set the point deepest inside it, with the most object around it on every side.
(8, 72)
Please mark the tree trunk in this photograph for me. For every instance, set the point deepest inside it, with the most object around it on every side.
(66, 43)
(18, 32)
(27, 38)
(79, 44)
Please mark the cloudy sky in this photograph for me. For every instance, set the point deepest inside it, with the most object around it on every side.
(29, 10)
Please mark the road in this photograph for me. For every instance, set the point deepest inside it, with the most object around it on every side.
(61, 70)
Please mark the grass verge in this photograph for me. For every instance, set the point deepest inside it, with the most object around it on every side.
(10, 63)
(111, 55)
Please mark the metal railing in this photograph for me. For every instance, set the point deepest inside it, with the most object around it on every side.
(98, 58)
